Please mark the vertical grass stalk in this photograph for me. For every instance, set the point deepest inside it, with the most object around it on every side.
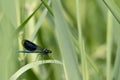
(65, 44)
(81, 44)
(109, 46)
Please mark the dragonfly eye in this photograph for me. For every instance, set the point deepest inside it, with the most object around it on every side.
(47, 51)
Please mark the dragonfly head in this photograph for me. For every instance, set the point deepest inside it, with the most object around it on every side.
(46, 51)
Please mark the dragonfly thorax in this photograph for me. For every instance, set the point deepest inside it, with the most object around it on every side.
(46, 51)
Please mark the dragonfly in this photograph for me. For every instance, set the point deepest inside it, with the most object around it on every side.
(31, 47)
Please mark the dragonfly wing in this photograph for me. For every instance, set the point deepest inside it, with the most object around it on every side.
(29, 45)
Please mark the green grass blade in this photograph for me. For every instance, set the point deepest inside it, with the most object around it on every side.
(1, 16)
(47, 6)
(116, 73)
(65, 43)
(81, 44)
(109, 46)
(31, 65)
(7, 44)
(113, 8)
(117, 64)
(24, 23)
(39, 23)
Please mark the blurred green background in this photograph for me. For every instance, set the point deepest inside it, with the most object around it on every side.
(82, 34)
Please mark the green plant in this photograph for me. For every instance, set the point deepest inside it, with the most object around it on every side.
(82, 34)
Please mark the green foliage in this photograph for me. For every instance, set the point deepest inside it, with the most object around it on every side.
(82, 34)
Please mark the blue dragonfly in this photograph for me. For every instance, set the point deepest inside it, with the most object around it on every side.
(30, 47)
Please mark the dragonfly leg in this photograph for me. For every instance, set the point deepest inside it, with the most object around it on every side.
(40, 56)
(25, 55)
(37, 57)
(51, 58)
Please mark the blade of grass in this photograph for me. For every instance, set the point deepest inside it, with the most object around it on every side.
(24, 23)
(7, 27)
(116, 72)
(47, 6)
(39, 23)
(117, 64)
(1, 16)
(81, 44)
(109, 46)
(92, 64)
(31, 65)
(113, 8)
(65, 43)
